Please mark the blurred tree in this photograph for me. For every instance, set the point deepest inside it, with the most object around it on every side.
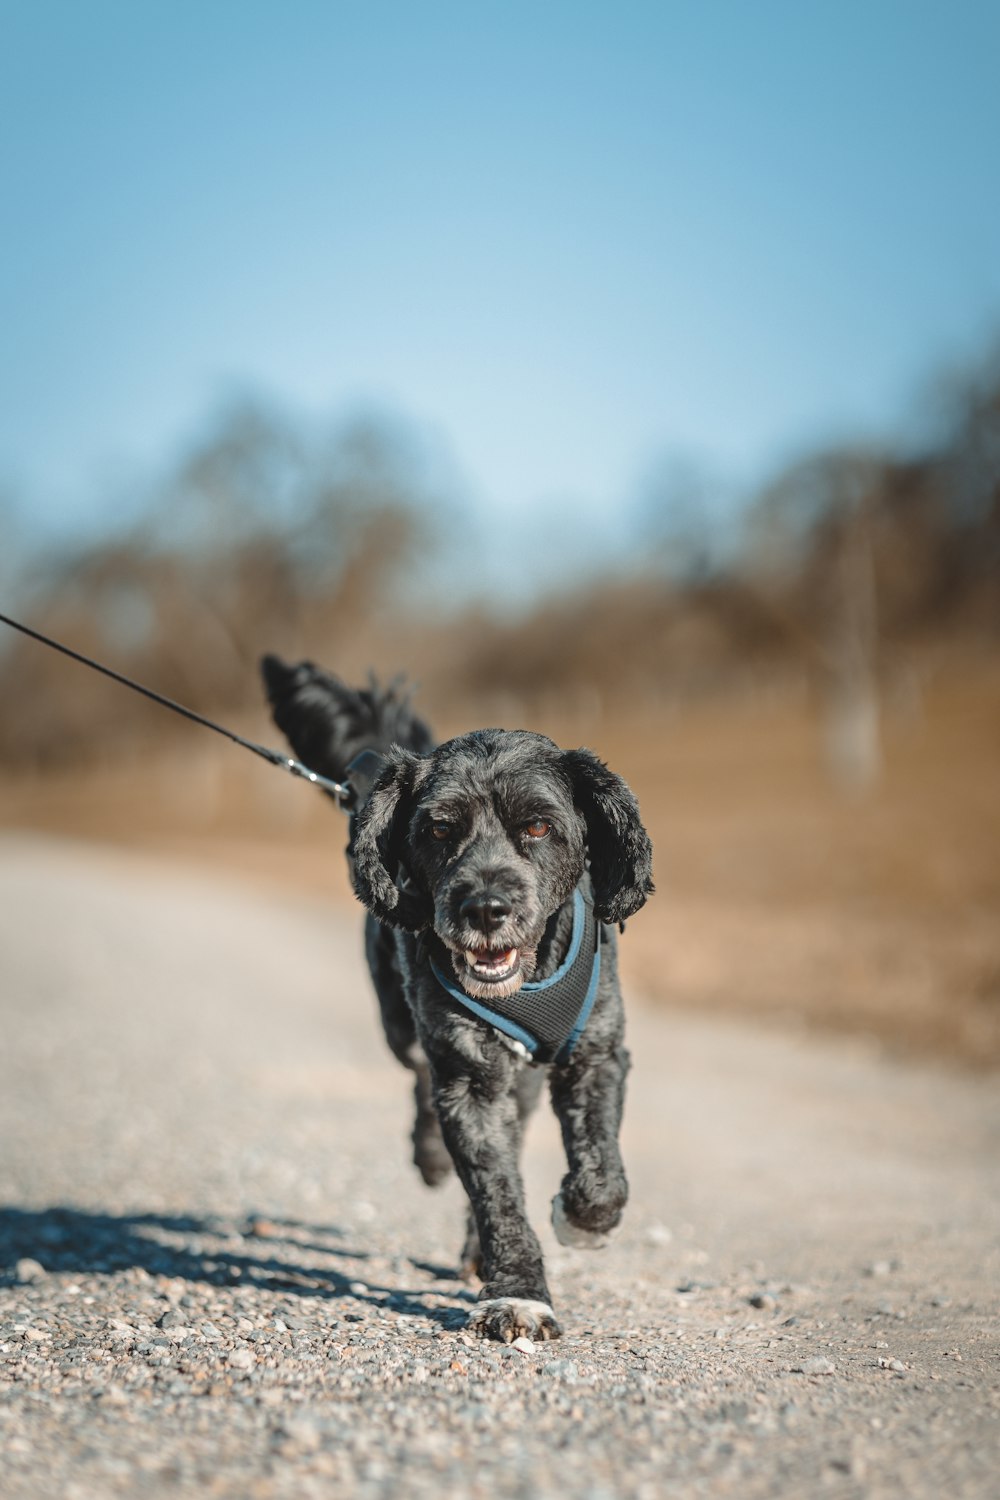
(13, 546)
(678, 517)
(264, 534)
(812, 554)
(968, 476)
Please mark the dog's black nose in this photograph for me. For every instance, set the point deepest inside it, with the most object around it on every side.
(485, 912)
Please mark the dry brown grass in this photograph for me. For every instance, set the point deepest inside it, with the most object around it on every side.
(777, 895)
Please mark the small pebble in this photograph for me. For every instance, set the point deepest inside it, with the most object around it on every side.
(172, 1319)
(762, 1300)
(817, 1366)
(27, 1271)
(301, 1434)
(262, 1229)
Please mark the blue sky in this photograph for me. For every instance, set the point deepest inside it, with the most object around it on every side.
(566, 238)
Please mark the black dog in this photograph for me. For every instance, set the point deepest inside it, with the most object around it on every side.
(494, 869)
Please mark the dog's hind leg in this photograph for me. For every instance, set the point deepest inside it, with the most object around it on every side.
(430, 1154)
(527, 1091)
(387, 978)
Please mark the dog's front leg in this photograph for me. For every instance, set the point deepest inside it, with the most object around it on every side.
(478, 1110)
(587, 1095)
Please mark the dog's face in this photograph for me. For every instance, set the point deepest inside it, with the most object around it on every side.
(486, 837)
(496, 842)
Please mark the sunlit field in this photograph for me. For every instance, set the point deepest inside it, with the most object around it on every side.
(779, 894)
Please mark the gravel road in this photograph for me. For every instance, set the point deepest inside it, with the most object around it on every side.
(219, 1275)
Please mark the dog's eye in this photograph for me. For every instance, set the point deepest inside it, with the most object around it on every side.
(538, 828)
(441, 831)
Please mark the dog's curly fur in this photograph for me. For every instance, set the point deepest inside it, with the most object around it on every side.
(469, 854)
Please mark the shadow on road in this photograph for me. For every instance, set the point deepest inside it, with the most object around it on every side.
(282, 1256)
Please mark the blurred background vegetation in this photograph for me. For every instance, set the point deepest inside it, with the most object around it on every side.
(804, 692)
(852, 580)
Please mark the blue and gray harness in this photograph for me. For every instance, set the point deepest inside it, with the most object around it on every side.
(546, 1017)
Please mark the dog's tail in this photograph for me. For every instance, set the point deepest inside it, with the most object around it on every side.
(327, 723)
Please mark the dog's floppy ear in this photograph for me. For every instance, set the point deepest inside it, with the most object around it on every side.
(621, 855)
(378, 847)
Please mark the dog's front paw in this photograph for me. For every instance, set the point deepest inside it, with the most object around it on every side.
(510, 1318)
(575, 1235)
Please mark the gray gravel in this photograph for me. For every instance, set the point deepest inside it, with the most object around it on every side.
(220, 1277)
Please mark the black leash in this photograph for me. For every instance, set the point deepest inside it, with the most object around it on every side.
(342, 791)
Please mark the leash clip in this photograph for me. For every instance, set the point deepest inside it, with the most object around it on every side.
(342, 792)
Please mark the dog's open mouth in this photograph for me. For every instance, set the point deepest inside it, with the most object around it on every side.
(491, 971)
(489, 964)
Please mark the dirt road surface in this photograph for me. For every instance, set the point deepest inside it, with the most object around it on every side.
(219, 1274)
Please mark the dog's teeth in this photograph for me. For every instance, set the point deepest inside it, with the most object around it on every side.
(495, 963)
(492, 963)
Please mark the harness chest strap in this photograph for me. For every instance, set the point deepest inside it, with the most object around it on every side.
(546, 1017)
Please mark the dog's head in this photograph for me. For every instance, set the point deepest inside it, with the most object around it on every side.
(486, 837)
